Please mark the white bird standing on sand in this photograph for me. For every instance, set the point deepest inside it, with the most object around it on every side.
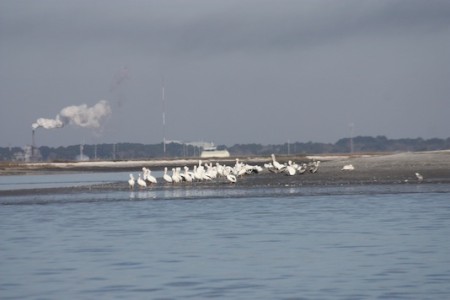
(348, 168)
(141, 182)
(166, 176)
(276, 164)
(290, 169)
(302, 168)
(211, 171)
(206, 176)
(268, 166)
(254, 169)
(314, 166)
(238, 166)
(131, 181)
(220, 170)
(419, 177)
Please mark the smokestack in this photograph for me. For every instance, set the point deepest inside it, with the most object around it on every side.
(33, 145)
(32, 139)
(35, 155)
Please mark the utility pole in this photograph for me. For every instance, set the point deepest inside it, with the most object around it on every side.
(288, 147)
(352, 127)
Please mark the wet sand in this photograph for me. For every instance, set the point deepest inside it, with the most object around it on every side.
(397, 168)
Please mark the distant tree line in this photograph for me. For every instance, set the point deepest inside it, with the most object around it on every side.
(360, 144)
(127, 151)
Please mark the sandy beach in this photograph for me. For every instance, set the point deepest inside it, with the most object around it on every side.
(397, 168)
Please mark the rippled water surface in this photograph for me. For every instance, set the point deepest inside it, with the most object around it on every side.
(23, 182)
(140, 245)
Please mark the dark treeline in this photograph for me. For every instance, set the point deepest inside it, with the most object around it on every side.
(360, 144)
(125, 151)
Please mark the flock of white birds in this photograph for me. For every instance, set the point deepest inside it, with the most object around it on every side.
(208, 172)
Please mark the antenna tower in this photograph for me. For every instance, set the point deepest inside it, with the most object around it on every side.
(352, 128)
(163, 116)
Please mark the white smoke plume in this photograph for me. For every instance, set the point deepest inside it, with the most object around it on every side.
(47, 123)
(82, 115)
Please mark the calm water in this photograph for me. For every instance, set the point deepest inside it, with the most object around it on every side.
(170, 244)
(21, 182)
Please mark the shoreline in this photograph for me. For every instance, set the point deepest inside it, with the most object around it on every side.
(27, 168)
(378, 169)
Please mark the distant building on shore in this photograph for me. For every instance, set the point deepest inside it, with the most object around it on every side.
(210, 151)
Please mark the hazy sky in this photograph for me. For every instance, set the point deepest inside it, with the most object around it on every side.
(234, 71)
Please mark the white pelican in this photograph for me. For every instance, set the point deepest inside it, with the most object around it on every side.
(268, 165)
(187, 176)
(197, 173)
(141, 182)
(302, 168)
(178, 170)
(150, 177)
(166, 176)
(131, 181)
(240, 171)
(231, 178)
(206, 176)
(290, 168)
(314, 166)
(276, 164)
(348, 168)
(144, 174)
(419, 177)
(238, 166)
(220, 170)
(175, 177)
(211, 171)
(253, 169)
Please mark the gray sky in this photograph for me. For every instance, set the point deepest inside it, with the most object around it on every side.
(234, 71)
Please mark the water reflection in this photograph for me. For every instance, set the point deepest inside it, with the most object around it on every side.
(21, 182)
(143, 195)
